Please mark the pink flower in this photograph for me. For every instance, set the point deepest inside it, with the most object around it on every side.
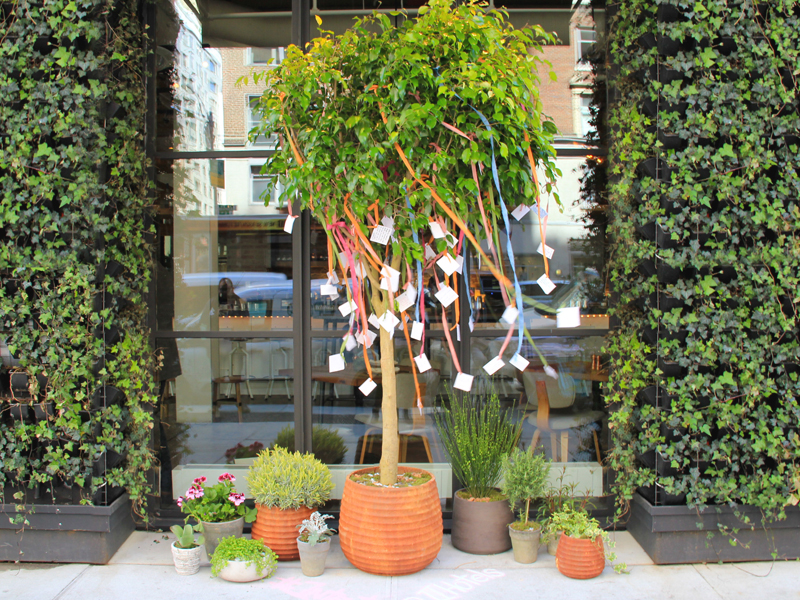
(227, 477)
(200, 480)
(193, 493)
(237, 499)
(180, 501)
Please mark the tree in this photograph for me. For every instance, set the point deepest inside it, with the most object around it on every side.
(418, 128)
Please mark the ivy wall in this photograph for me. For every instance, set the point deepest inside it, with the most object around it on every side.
(76, 407)
(704, 187)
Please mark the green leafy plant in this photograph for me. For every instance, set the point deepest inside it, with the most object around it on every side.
(577, 523)
(251, 552)
(524, 479)
(184, 536)
(315, 529)
(477, 435)
(326, 444)
(411, 125)
(216, 503)
(289, 480)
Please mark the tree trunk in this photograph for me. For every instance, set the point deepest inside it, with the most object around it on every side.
(390, 447)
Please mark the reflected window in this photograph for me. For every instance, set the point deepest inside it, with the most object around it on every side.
(266, 189)
(266, 56)
(584, 42)
(253, 120)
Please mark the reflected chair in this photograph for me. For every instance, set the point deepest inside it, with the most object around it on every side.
(414, 425)
(545, 393)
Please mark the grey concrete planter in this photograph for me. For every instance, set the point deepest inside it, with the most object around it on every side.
(312, 558)
(214, 532)
(525, 544)
(481, 527)
(66, 533)
(670, 534)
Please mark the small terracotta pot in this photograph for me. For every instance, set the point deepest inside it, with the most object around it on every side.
(277, 528)
(390, 531)
(580, 559)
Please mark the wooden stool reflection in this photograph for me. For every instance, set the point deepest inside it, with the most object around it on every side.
(237, 381)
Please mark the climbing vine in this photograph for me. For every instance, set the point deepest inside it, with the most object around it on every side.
(75, 413)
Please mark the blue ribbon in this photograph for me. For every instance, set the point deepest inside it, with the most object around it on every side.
(415, 237)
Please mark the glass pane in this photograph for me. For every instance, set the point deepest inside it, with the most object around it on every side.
(203, 101)
(221, 401)
(575, 269)
(225, 261)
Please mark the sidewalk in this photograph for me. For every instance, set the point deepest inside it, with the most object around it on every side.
(142, 570)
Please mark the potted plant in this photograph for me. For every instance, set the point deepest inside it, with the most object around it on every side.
(524, 479)
(386, 143)
(557, 498)
(581, 553)
(314, 543)
(478, 436)
(287, 487)
(218, 509)
(185, 551)
(241, 560)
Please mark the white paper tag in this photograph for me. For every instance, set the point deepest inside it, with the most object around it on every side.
(568, 317)
(389, 321)
(387, 221)
(373, 320)
(389, 275)
(519, 362)
(347, 308)
(545, 283)
(471, 323)
(510, 315)
(287, 227)
(458, 333)
(333, 278)
(542, 212)
(416, 330)
(404, 302)
(327, 289)
(550, 251)
(335, 363)
(520, 212)
(369, 339)
(367, 387)
(381, 235)
(446, 295)
(422, 363)
(436, 230)
(550, 372)
(350, 343)
(430, 253)
(463, 382)
(343, 260)
(459, 264)
(411, 291)
(360, 270)
(494, 365)
(448, 264)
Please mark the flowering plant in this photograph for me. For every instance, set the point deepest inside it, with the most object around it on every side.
(315, 529)
(215, 504)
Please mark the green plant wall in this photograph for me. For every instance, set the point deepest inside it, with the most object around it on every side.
(75, 415)
(704, 189)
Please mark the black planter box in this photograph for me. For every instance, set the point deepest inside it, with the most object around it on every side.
(670, 534)
(66, 534)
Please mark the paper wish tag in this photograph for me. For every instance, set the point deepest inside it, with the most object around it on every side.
(287, 227)
(568, 317)
(545, 283)
(520, 212)
(551, 372)
(494, 365)
(463, 382)
(510, 315)
(448, 264)
(347, 308)
(390, 276)
(446, 295)
(471, 323)
(367, 387)
(373, 320)
(459, 264)
(333, 278)
(381, 235)
(350, 343)
(436, 230)
(335, 363)
(404, 301)
(519, 362)
(366, 339)
(548, 249)
(416, 330)
(360, 270)
(343, 261)
(423, 364)
(430, 253)
(389, 321)
(387, 221)
(327, 289)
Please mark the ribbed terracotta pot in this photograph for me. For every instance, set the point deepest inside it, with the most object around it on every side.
(390, 531)
(481, 527)
(580, 559)
(277, 528)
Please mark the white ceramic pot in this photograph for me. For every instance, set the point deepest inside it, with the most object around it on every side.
(239, 571)
(187, 560)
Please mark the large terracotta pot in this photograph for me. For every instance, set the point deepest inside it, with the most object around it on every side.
(580, 559)
(277, 528)
(390, 531)
(481, 527)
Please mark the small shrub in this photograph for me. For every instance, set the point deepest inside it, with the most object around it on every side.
(282, 479)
